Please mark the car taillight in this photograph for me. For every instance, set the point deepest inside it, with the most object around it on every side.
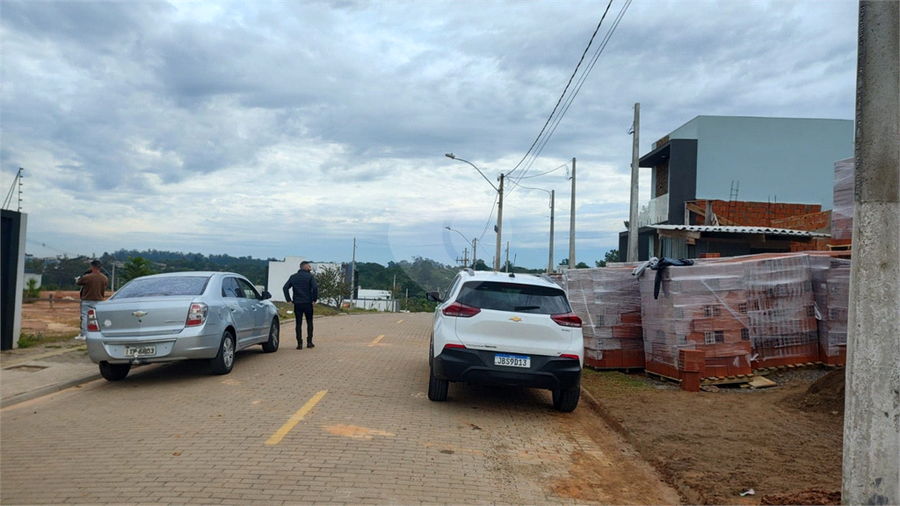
(92, 324)
(567, 355)
(457, 346)
(567, 320)
(197, 314)
(460, 310)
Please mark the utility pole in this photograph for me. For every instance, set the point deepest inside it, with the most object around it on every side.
(499, 225)
(871, 457)
(507, 256)
(552, 204)
(572, 222)
(474, 251)
(353, 271)
(632, 255)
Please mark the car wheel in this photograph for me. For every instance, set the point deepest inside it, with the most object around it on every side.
(272, 344)
(224, 361)
(437, 388)
(566, 400)
(114, 372)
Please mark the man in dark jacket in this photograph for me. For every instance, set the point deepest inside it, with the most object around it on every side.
(306, 291)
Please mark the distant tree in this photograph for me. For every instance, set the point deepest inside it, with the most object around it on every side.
(32, 290)
(332, 286)
(581, 265)
(136, 267)
(481, 266)
(611, 256)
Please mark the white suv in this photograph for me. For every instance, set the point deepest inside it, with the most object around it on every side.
(494, 328)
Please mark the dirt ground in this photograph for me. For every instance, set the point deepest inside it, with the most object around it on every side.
(732, 445)
(57, 319)
(778, 445)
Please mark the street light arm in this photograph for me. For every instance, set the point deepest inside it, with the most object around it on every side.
(460, 234)
(454, 157)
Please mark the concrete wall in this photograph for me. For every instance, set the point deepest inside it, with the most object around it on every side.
(774, 159)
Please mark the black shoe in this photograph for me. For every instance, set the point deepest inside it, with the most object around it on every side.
(310, 345)
(299, 346)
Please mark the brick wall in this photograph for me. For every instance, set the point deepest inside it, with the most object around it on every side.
(758, 214)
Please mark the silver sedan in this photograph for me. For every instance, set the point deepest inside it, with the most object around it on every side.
(180, 316)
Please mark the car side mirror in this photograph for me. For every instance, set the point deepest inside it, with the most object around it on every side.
(434, 296)
(266, 295)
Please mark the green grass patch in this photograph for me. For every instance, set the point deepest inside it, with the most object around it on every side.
(32, 339)
(614, 383)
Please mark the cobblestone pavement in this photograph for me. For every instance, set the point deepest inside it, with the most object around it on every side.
(347, 422)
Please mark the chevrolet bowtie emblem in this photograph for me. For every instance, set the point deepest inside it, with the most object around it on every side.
(139, 314)
(515, 318)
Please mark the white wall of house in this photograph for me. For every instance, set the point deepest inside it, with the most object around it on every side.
(379, 300)
(279, 272)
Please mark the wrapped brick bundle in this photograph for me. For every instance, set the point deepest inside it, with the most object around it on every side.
(831, 289)
(782, 318)
(608, 301)
(842, 213)
(700, 307)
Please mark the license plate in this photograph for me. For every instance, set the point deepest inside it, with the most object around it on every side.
(140, 351)
(512, 360)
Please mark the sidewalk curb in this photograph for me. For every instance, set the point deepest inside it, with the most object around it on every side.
(40, 392)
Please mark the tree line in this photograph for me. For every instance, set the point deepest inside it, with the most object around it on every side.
(407, 280)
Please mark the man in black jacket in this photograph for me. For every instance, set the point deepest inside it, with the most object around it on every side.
(306, 291)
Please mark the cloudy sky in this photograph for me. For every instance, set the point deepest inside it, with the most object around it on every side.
(275, 129)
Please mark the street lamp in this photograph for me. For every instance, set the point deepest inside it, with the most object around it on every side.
(499, 206)
(472, 244)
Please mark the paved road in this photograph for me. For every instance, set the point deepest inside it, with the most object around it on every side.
(345, 423)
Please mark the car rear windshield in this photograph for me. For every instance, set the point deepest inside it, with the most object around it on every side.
(152, 287)
(514, 297)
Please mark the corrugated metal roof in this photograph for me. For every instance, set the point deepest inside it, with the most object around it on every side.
(741, 230)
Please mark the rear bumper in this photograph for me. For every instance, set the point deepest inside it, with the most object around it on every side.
(477, 366)
(169, 348)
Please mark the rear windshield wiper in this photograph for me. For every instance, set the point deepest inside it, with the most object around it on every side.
(526, 308)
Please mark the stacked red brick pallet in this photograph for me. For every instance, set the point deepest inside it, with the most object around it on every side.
(744, 313)
(720, 317)
(842, 214)
(831, 286)
(608, 300)
(782, 316)
(702, 307)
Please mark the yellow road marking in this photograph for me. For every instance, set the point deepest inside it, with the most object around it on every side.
(379, 338)
(294, 420)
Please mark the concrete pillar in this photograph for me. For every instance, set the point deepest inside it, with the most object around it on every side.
(871, 470)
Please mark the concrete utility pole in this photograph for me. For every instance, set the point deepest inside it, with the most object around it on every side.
(353, 271)
(552, 205)
(474, 251)
(572, 222)
(635, 171)
(499, 225)
(871, 465)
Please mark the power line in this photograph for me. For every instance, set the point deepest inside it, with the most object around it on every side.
(533, 144)
(541, 142)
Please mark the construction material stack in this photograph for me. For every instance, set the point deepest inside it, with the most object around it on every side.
(608, 301)
(831, 287)
(842, 213)
(701, 307)
(782, 318)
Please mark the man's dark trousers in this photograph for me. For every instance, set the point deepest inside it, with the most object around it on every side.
(300, 311)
